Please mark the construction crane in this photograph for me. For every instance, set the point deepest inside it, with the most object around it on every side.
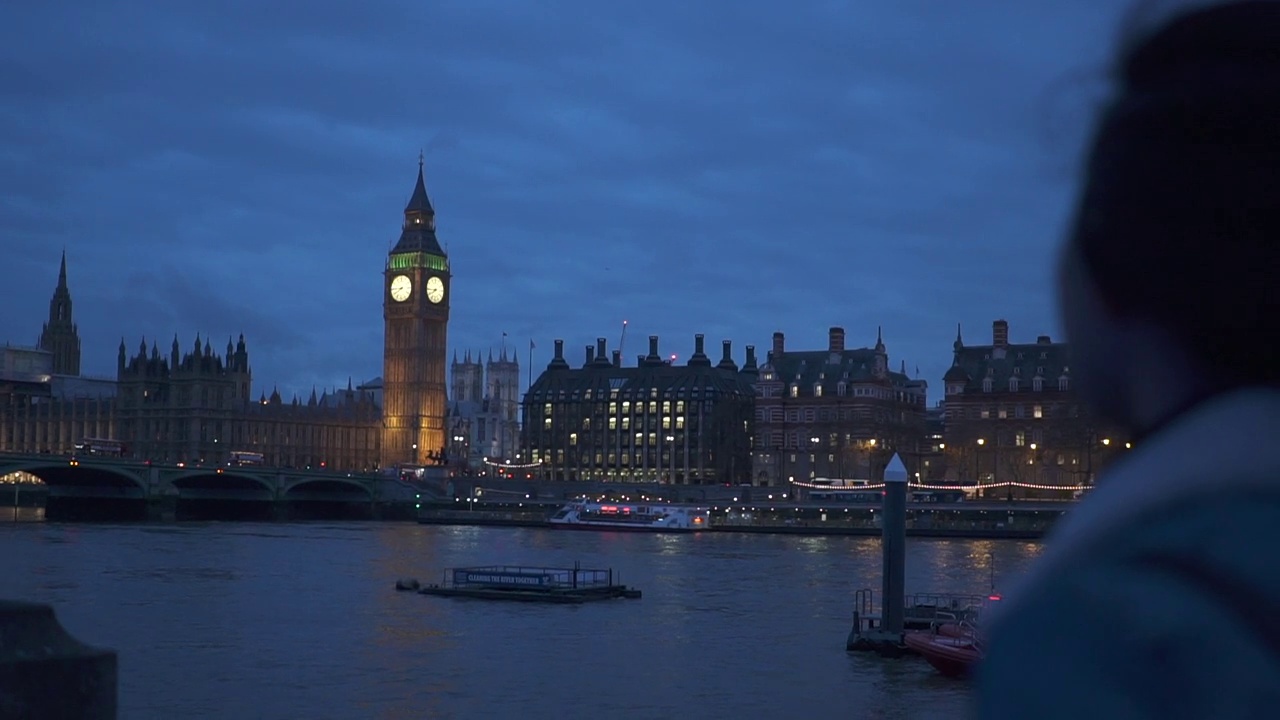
(622, 340)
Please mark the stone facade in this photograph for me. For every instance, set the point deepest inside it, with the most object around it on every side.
(484, 411)
(835, 414)
(196, 407)
(651, 422)
(415, 306)
(1011, 414)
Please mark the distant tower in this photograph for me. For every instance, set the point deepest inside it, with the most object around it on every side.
(468, 380)
(59, 335)
(415, 311)
(503, 392)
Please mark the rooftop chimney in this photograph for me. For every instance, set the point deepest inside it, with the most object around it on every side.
(591, 356)
(699, 357)
(557, 361)
(835, 340)
(1000, 334)
(779, 346)
(750, 365)
(1044, 340)
(726, 359)
(653, 349)
(617, 358)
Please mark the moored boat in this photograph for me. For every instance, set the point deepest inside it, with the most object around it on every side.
(631, 516)
(952, 649)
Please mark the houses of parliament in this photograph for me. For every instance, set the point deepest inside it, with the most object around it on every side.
(189, 402)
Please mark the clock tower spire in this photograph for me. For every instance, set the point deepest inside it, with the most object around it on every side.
(415, 312)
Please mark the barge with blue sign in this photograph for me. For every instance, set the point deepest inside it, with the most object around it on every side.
(573, 585)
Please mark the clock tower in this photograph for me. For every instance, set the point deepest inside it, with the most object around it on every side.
(415, 310)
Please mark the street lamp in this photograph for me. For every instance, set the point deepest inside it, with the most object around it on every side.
(813, 456)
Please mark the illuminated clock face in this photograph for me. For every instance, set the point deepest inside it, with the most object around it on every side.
(401, 286)
(435, 289)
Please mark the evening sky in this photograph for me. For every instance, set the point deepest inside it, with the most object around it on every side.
(724, 168)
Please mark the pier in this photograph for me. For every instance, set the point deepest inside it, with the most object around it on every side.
(574, 585)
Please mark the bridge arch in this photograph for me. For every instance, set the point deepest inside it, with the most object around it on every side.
(211, 477)
(329, 485)
(78, 473)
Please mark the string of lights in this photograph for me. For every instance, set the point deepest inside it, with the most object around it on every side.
(926, 486)
(511, 466)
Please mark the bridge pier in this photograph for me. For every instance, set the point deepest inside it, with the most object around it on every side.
(280, 511)
(162, 509)
(46, 673)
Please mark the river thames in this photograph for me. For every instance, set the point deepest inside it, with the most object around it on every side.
(236, 620)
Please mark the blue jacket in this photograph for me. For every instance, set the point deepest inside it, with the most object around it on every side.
(1159, 595)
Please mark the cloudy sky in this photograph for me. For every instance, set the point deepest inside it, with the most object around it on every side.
(725, 168)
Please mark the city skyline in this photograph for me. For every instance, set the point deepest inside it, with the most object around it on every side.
(687, 173)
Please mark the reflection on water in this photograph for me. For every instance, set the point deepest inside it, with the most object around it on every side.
(300, 620)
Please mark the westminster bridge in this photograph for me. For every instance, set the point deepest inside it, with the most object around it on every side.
(97, 487)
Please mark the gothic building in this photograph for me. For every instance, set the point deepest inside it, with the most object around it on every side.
(181, 407)
(195, 407)
(416, 297)
(45, 406)
(484, 410)
(1011, 414)
(836, 413)
(59, 335)
(192, 406)
(651, 422)
(339, 429)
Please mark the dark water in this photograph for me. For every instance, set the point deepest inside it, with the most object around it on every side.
(301, 621)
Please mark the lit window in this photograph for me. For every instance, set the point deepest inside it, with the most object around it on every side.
(1037, 411)
(795, 391)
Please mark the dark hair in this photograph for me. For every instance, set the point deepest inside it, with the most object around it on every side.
(1179, 221)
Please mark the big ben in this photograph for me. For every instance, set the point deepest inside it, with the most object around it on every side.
(415, 310)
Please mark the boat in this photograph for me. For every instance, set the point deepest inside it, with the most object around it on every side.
(584, 515)
(953, 649)
(575, 585)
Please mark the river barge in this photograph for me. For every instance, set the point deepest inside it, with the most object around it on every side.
(575, 585)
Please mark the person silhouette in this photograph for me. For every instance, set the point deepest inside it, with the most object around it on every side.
(1158, 595)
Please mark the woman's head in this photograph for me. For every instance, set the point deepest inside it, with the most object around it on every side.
(1178, 223)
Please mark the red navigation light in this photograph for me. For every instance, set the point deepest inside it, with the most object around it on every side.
(994, 597)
